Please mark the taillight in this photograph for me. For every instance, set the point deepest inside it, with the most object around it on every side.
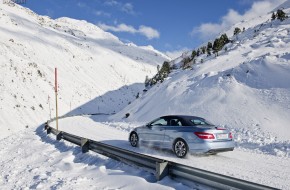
(203, 135)
(231, 136)
(219, 128)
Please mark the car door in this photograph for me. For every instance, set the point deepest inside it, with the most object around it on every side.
(172, 131)
(153, 133)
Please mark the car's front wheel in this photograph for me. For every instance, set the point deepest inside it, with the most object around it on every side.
(180, 148)
(134, 139)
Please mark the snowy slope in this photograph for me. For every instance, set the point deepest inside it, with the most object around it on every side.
(93, 65)
(245, 88)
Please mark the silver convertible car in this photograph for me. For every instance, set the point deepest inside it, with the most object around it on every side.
(183, 134)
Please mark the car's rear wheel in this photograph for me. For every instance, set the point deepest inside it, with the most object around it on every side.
(134, 139)
(180, 148)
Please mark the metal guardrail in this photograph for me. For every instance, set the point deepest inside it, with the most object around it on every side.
(159, 167)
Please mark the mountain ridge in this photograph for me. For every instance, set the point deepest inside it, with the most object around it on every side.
(90, 63)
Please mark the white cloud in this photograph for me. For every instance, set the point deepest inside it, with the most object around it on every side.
(118, 28)
(209, 30)
(127, 7)
(149, 32)
(111, 3)
(146, 31)
(101, 13)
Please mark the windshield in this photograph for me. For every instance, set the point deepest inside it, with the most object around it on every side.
(160, 121)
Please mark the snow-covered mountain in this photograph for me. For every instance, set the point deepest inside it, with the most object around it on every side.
(91, 63)
(245, 88)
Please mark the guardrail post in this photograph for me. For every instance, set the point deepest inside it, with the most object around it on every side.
(59, 136)
(161, 170)
(84, 145)
(45, 125)
(48, 130)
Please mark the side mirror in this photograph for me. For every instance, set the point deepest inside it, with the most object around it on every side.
(148, 125)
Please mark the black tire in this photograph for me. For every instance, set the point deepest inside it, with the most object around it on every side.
(134, 139)
(180, 148)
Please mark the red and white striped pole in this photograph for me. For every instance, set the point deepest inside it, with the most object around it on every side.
(55, 89)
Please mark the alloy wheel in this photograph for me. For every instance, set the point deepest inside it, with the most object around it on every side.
(134, 139)
(180, 148)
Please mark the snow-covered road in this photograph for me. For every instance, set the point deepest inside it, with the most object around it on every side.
(33, 160)
(242, 163)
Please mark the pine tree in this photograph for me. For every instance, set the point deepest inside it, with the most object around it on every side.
(273, 16)
(193, 54)
(165, 69)
(186, 62)
(224, 39)
(160, 76)
(217, 45)
(208, 51)
(281, 15)
(203, 49)
(209, 45)
(197, 52)
(237, 31)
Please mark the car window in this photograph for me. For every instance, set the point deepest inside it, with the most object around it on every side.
(162, 122)
(200, 122)
(175, 122)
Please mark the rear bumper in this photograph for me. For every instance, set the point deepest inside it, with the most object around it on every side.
(220, 150)
(211, 147)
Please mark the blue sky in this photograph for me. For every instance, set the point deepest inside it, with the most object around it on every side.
(171, 26)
